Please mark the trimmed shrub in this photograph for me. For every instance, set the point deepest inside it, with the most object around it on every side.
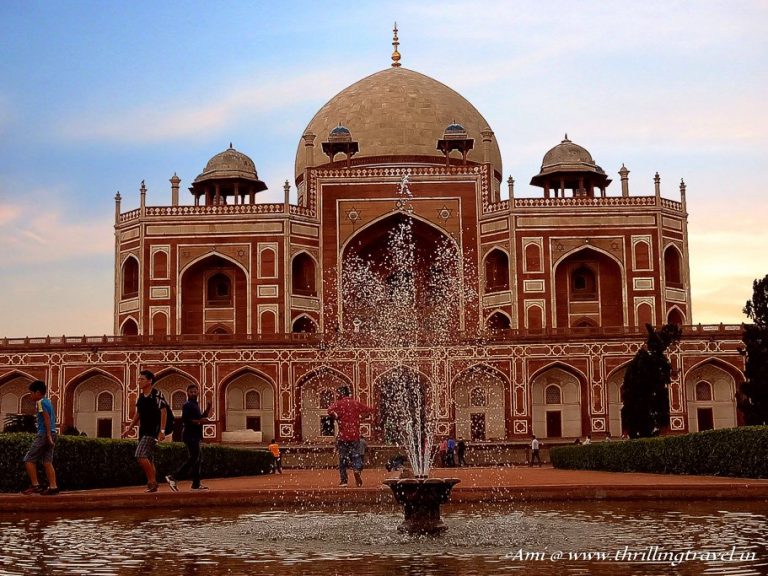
(741, 452)
(83, 462)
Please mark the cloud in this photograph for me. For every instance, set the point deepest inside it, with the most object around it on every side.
(41, 234)
(168, 120)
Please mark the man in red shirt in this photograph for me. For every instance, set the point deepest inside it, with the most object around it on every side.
(347, 413)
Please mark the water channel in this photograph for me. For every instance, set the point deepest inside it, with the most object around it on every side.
(712, 537)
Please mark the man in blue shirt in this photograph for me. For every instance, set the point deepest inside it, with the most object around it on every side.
(192, 435)
(42, 446)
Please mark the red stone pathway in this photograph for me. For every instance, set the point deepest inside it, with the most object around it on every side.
(320, 486)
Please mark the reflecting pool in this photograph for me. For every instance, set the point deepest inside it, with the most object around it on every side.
(610, 538)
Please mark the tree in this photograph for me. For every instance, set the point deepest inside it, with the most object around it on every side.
(752, 397)
(645, 393)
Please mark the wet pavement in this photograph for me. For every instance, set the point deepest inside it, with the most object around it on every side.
(320, 486)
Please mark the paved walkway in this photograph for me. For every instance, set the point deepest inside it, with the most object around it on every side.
(507, 484)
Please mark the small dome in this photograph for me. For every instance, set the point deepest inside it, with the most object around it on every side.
(340, 134)
(455, 128)
(229, 164)
(568, 156)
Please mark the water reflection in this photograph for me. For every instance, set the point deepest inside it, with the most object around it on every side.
(593, 538)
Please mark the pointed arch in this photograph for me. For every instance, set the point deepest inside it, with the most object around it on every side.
(235, 415)
(129, 277)
(563, 366)
(304, 269)
(14, 386)
(496, 270)
(673, 266)
(314, 391)
(675, 316)
(442, 231)
(129, 327)
(498, 320)
(76, 391)
(305, 324)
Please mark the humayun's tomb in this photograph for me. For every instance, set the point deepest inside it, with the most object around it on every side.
(242, 297)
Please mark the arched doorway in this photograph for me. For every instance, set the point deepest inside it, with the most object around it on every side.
(404, 410)
(710, 391)
(98, 406)
(556, 404)
(318, 392)
(615, 383)
(14, 388)
(214, 295)
(589, 288)
(249, 399)
(479, 399)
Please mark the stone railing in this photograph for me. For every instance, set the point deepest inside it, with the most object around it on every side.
(729, 331)
(222, 209)
(600, 201)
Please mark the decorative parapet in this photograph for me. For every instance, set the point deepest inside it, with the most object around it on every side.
(544, 335)
(579, 201)
(225, 209)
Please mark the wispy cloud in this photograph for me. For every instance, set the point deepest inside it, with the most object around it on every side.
(40, 234)
(169, 121)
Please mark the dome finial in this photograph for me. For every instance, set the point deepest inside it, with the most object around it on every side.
(395, 44)
(230, 146)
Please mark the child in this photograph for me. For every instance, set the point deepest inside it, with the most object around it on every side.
(277, 466)
(42, 447)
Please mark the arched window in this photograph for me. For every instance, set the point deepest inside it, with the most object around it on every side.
(130, 328)
(673, 267)
(535, 317)
(477, 397)
(553, 395)
(532, 258)
(219, 290)
(252, 400)
(496, 271)
(130, 278)
(104, 402)
(644, 314)
(326, 398)
(675, 317)
(305, 325)
(159, 324)
(218, 330)
(498, 321)
(703, 391)
(27, 404)
(268, 323)
(160, 264)
(178, 399)
(583, 284)
(303, 275)
(642, 256)
(267, 263)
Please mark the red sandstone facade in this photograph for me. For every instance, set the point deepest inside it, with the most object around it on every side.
(239, 297)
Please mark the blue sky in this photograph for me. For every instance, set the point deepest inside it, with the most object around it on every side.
(97, 96)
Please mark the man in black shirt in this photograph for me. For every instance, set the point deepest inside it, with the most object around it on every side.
(151, 416)
(192, 436)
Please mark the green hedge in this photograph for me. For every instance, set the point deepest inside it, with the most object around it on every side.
(739, 452)
(82, 462)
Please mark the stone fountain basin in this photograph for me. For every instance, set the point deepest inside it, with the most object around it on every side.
(421, 499)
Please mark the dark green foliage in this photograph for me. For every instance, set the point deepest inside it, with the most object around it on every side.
(752, 397)
(741, 452)
(83, 462)
(645, 392)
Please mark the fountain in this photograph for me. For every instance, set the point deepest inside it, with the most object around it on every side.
(398, 296)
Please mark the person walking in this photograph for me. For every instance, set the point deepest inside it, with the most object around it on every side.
(192, 436)
(347, 413)
(535, 446)
(461, 451)
(277, 465)
(43, 444)
(150, 416)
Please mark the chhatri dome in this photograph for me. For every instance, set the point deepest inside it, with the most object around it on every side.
(398, 112)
